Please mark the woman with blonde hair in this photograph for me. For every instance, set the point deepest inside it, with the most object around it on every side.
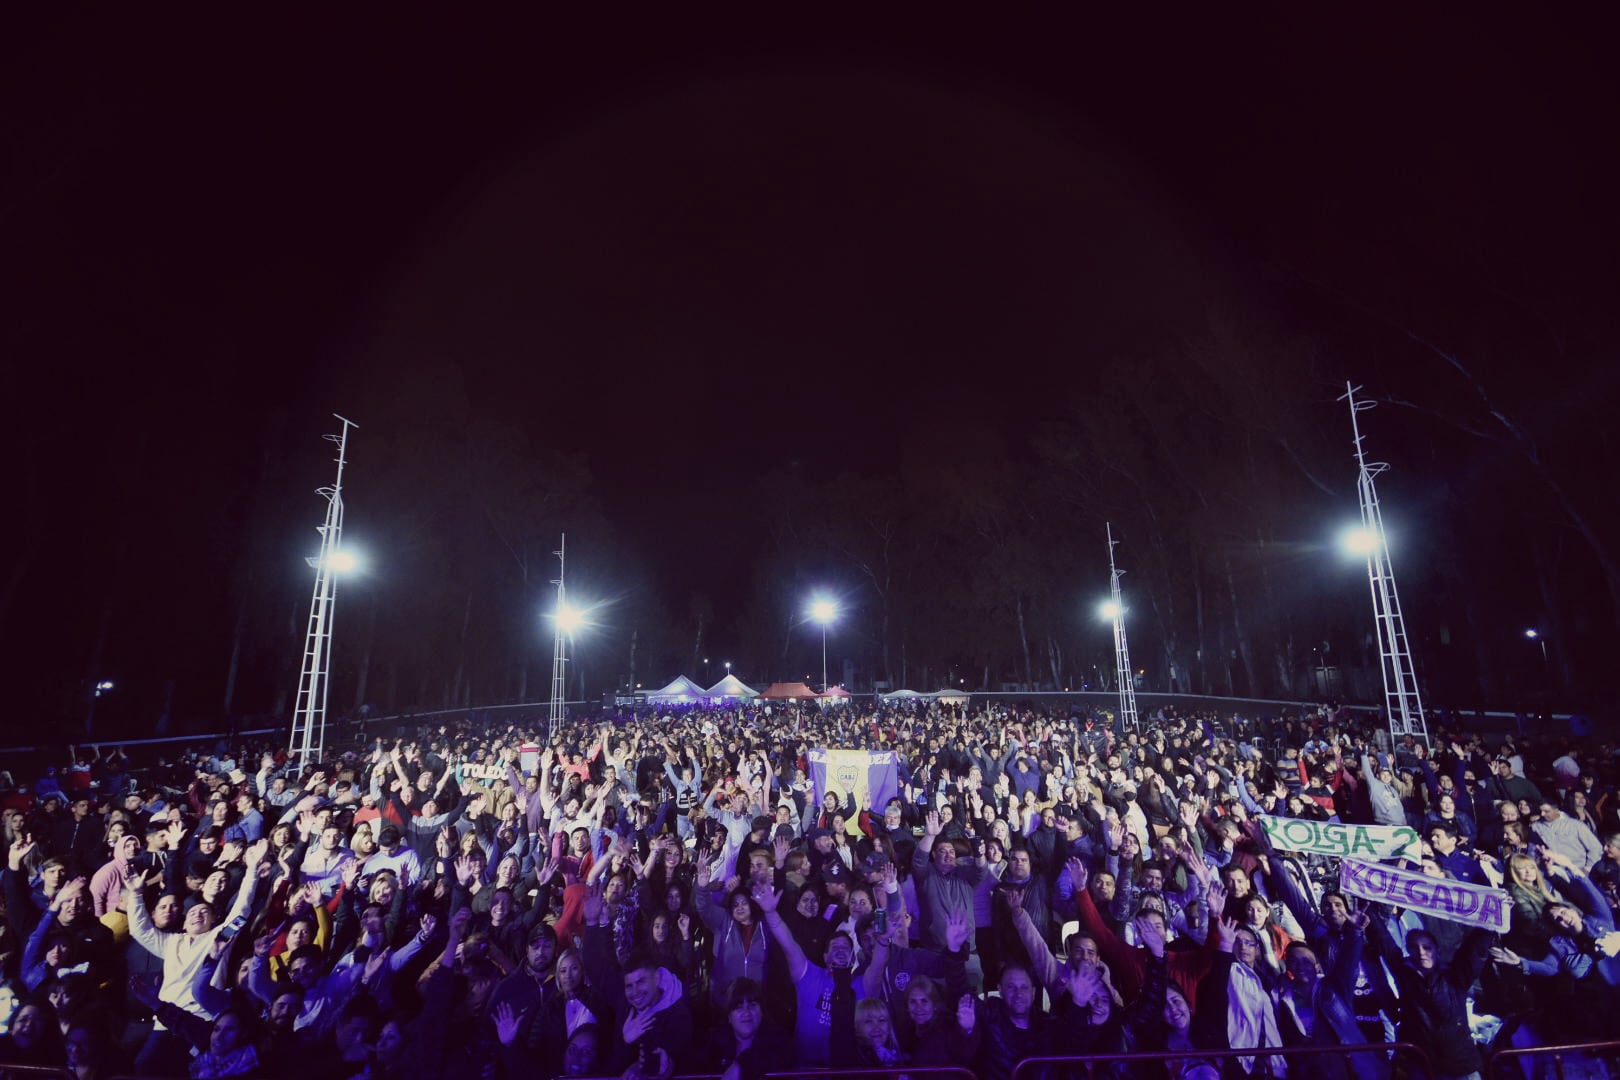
(1531, 894)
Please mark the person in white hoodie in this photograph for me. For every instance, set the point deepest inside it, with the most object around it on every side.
(183, 952)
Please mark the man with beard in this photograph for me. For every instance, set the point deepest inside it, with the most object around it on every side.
(816, 984)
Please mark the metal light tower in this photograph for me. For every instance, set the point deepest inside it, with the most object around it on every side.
(1115, 609)
(309, 710)
(1401, 698)
(559, 655)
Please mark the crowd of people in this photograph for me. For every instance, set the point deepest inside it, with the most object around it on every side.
(666, 893)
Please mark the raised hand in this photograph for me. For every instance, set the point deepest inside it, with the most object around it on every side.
(263, 945)
(1149, 936)
(464, 871)
(1079, 876)
(1217, 897)
(507, 1023)
(957, 928)
(1084, 982)
(429, 923)
(781, 847)
(68, 892)
(637, 1025)
(931, 825)
(766, 898)
(966, 1014)
(21, 848)
(350, 873)
(1227, 933)
(459, 923)
(593, 905)
(1013, 899)
(255, 853)
(684, 922)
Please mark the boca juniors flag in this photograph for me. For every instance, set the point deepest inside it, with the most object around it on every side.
(870, 778)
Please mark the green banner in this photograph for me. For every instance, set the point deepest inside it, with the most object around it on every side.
(1373, 842)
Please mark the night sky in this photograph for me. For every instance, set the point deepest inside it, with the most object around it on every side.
(699, 268)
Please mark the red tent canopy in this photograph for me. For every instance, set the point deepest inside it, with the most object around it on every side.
(784, 691)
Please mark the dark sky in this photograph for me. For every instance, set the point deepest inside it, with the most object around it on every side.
(697, 252)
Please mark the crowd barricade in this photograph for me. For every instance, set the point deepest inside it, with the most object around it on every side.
(36, 1072)
(1498, 1067)
(1416, 1059)
(874, 1073)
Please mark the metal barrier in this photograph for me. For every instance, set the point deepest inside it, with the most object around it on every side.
(927, 1070)
(1503, 1058)
(1030, 1066)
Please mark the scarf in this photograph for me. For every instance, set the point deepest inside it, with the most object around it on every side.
(1250, 1020)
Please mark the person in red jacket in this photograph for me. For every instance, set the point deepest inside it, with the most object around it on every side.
(1127, 963)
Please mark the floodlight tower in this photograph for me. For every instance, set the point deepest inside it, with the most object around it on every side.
(309, 709)
(1114, 609)
(563, 623)
(823, 611)
(1402, 701)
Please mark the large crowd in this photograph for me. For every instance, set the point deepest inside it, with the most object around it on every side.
(666, 893)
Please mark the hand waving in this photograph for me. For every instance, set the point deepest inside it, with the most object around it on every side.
(1079, 876)
(957, 929)
(507, 1023)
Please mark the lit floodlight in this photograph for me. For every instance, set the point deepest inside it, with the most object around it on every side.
(1532, 634)
(823, 611)
(1360, 541)
(343, 561)
(104, 684)
(569, 618)
(1110, 609)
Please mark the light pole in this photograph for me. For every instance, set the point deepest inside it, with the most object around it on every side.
(101, 686)
(823, 611)
(1403, 701)
(565, 618)
(1535, 636)
(308, 737)
(1113, 609)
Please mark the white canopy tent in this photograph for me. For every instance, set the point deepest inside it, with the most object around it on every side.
(682, 689)
(731, 688)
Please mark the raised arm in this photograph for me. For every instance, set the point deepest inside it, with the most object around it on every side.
(767, 899)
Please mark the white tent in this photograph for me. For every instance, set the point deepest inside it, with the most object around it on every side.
(731, 688)
(682, 689)
(953, 697)
(905, 695)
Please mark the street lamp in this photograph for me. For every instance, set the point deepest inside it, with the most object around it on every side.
(1535, 635)
(823, 611)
